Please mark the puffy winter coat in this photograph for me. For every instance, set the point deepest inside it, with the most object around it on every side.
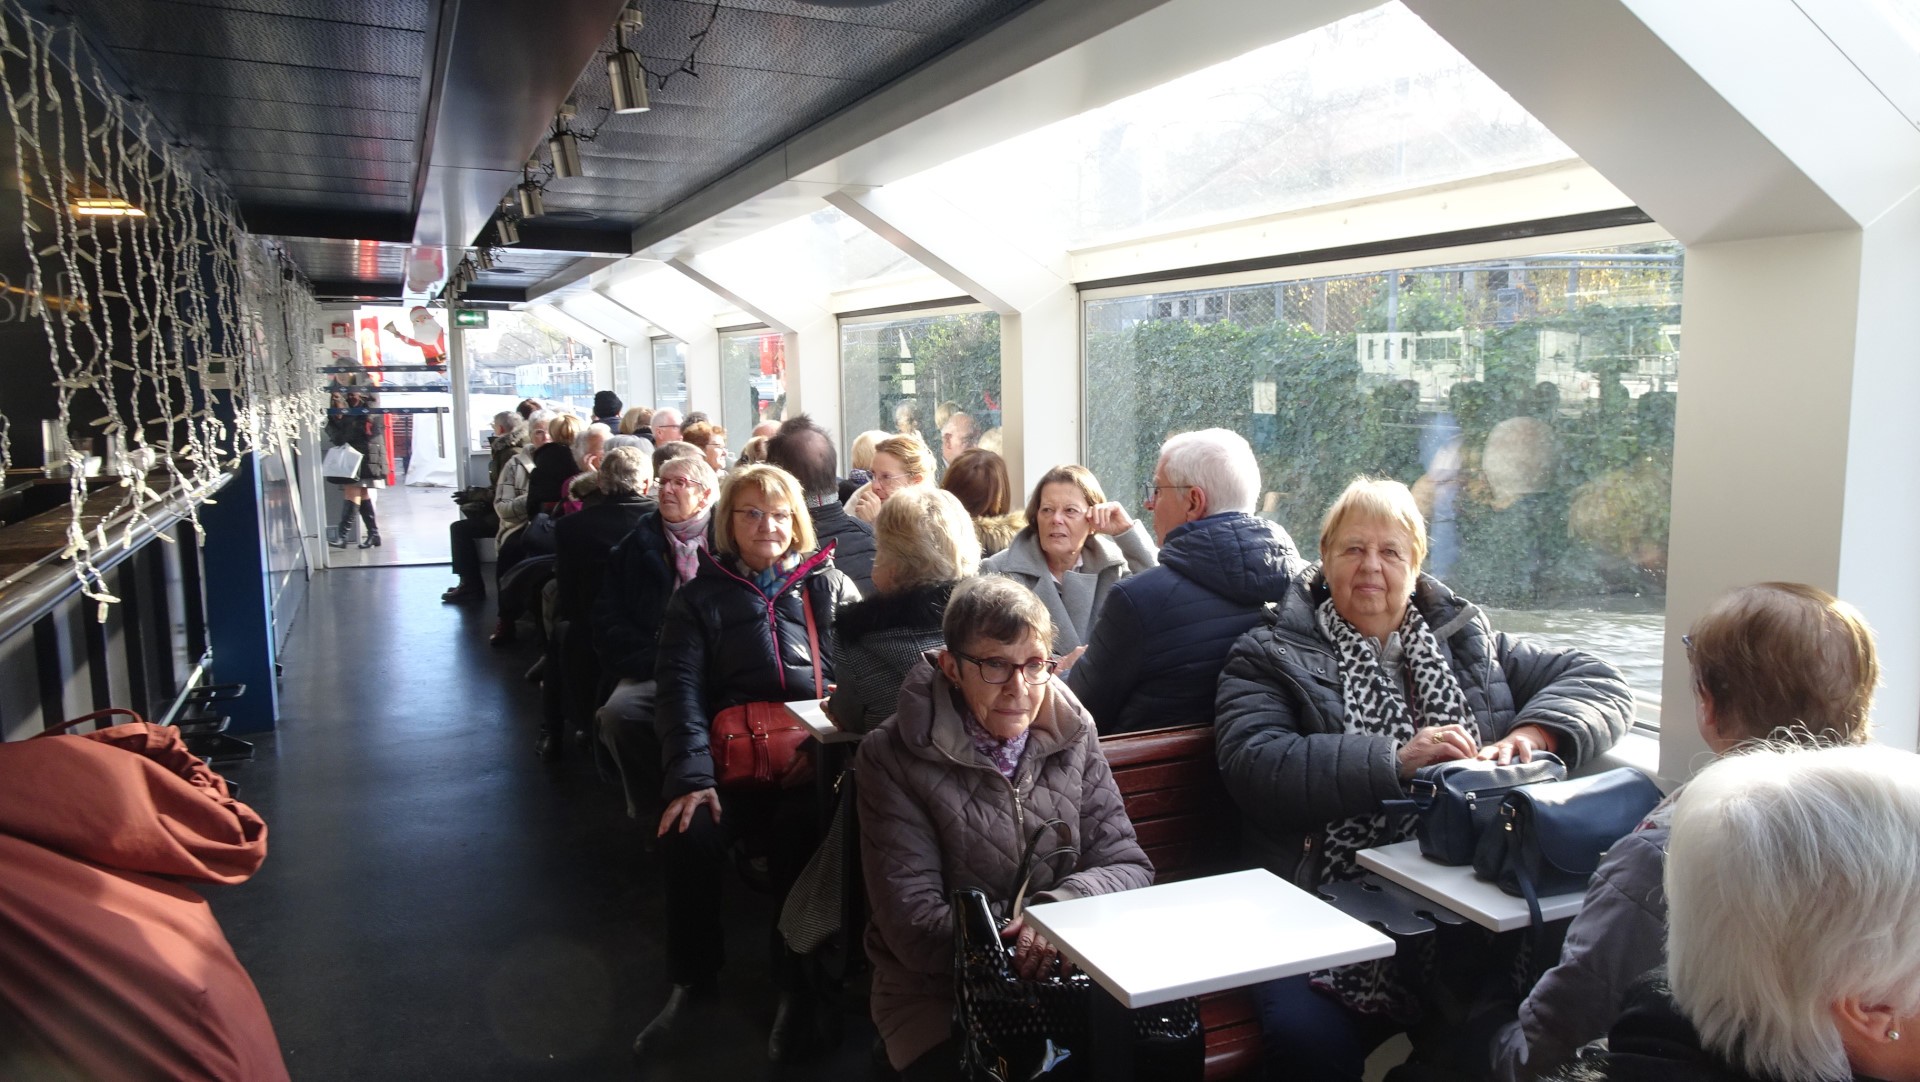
(634, 588)
(879, 641)
(724, 643)
(1621, 932)
(853, 546)
(1074, 602)
(1162, 637)
(510, 494)
(1281, 735)
(935, 817)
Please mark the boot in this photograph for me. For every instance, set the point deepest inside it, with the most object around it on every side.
(668, 1026)
(793, 1038)
(372, 540)
(343, 533)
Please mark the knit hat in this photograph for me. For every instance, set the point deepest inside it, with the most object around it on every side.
(607, 404)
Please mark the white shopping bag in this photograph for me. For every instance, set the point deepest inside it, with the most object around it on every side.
(341, 464)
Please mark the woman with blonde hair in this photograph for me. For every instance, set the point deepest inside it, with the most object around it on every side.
(898, 462)
(1074, 547)
(744, 630)
(860, 462)
(924, 546)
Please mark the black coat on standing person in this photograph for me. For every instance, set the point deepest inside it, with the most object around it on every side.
(804, 450)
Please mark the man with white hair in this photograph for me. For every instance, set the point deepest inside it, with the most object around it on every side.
(959, 435)
(1163, 635)
(666, 425)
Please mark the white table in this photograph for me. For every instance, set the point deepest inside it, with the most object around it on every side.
(816, 720)
(1163, 943)
(1460, 890)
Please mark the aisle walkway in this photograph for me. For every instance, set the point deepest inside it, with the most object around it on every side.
(439, 904)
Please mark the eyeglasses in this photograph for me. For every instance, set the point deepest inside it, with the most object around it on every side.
(757, 516)
(892, 478)
(1150, 493)
(680, 482)
(996, 670)
(1686, 643)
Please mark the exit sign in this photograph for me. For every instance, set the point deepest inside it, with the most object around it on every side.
(470, 317)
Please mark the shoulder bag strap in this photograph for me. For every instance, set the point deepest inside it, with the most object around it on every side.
(813, 641)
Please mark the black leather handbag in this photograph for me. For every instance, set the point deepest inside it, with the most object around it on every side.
(1012, 1028)
(1457, 800)
(1548, 839)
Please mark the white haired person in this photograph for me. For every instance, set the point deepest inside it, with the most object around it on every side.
(1365, 672)
(1162, 637)
(924, 547)
(1793, 892)
(1778, 660)
(1075, 547)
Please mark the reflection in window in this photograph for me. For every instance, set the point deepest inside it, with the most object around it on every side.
(753, 381)
(907, 373)
(670, 374)
(1528, 402)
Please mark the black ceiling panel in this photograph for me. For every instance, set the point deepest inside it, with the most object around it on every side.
(246, 161)
(146, 31)
(200, 112)
(260, 141)
(396, 14)
(249, 80)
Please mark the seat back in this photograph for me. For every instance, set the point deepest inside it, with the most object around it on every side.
(1171, 784)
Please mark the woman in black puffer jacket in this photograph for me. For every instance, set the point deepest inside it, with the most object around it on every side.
(737, 634)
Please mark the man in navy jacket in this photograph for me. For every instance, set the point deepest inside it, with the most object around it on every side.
(1162, 637)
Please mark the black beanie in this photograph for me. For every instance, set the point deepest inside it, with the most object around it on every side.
(607, 404)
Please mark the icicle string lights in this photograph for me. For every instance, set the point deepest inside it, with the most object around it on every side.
(147, 308)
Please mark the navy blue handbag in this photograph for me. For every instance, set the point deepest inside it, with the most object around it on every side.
(1548, 839)
(1457, 800)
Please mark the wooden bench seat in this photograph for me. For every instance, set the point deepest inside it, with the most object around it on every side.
(1170, 781)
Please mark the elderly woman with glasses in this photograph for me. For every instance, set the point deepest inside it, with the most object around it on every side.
(985, 753)
(742, 631)
(1075, 546)
(1366, 671)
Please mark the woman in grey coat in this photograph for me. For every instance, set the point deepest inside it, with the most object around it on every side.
(924, 545)
(1366, 671)
(1075, 546)
(983, 751)
(1777, 660)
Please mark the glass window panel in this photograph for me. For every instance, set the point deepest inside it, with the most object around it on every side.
(1529, 402)
(753, 381)
(827, 250)
(670, 374)
(516, 356)
(905, 373)
(1373, 103)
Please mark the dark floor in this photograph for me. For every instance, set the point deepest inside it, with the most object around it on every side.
(437, 902)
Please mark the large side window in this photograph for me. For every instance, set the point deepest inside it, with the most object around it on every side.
(1528, 402)
(670, 374)
(909, 372)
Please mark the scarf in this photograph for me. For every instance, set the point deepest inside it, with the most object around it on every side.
(1003, 754)
(1376, 704)
(770, 580)
(687, 539)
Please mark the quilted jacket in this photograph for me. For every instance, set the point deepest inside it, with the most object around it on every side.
(935, 816)
(880, 640)
(1280, 722)
(724, 643)
(633, 596)
(1162, 637)
(1074, 603)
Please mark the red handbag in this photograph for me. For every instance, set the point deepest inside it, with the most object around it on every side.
(757, 745)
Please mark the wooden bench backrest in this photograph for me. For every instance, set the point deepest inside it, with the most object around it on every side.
(1180, 810)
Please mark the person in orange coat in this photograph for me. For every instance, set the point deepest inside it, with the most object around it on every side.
(108, 967)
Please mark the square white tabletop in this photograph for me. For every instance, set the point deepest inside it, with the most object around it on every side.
(1457, 888)
(815, 718)
(1162, 943)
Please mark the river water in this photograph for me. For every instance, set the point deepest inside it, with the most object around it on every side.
(1632, 642)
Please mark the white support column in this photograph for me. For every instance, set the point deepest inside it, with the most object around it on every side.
(810, 333)
(1790, 178)
(462, 418)
(1040, 386)
(683, 309)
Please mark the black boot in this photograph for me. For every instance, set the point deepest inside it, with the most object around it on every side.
(667, 1027)
(372, 540)
(343, 533)
(793, 1038)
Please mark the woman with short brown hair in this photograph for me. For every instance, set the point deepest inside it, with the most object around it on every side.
(979, 478)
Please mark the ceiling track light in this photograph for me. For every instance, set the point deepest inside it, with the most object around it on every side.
(508, 232)
(563, 145)
(486, 259)
(626, 77)
(533, 202)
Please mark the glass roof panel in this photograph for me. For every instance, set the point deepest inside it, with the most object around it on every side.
(825, 248)
(1374, 103)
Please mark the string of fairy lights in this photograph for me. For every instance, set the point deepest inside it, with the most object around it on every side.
(181, 338)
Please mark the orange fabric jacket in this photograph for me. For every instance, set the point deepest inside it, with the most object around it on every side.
(109, 969)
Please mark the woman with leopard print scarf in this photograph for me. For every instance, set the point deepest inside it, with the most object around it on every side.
(1365, 672)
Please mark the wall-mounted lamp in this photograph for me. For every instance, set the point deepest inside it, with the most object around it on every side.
(625, 75)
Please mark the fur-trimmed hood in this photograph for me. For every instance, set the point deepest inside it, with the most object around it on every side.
(916, 607)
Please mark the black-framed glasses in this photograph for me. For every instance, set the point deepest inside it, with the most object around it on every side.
(997, 670)
(1150, 493)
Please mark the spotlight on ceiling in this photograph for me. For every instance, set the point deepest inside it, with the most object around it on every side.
(533, 203)
(507, 231)
(486, 259)
(625, 76)
(563, 145)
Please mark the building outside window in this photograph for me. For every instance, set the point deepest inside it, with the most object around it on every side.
(753, 380)
(669, 374)
(1528, 402)
(906, 372)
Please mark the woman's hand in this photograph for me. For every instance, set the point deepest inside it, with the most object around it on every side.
(1518, 745)
(1109, 518)
(679, 814)
(1067, 659)
(1436, 744)
(1033, 957)
(864, 506)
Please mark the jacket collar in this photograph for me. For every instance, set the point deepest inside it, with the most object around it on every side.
(928, 720)
(1445, 611)
(1025, 557)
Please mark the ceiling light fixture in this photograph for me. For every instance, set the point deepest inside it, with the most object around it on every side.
(563, 145)
(625, 74)
(508, 232)
(105, 208)
(529, 193)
